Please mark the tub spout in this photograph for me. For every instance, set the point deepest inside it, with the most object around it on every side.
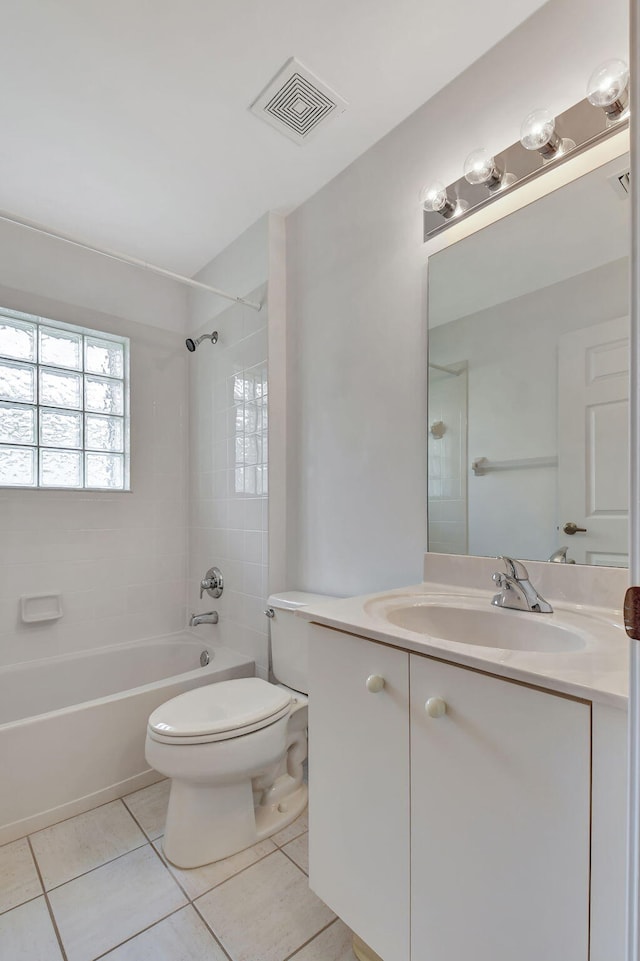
(211, 617)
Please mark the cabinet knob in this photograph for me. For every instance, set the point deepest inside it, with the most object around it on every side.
(435, 707)
(375, 683)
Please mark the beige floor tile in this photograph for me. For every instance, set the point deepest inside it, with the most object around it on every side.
(333, 944)
(197, 881)
(293, 830)
(80, 844)
(266, 912)
(26, 934)
(19, 880)
(298, 851)
(181, 937)
(101, 909)
(149, 808)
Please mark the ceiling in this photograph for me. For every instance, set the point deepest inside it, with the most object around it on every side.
(127, 123)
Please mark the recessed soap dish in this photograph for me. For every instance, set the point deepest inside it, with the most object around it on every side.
(40, 607)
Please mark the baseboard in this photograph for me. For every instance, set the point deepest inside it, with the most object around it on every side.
(36, 822)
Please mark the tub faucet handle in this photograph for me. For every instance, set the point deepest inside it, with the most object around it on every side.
(212, 582)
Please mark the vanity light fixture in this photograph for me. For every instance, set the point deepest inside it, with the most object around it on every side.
(544, 139)
(481, 168)
(608, 88)
(436, 199)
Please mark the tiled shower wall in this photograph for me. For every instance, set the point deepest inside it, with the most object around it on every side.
(118, 559)
(228, 477)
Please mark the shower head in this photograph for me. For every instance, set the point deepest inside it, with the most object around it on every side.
(192, 344)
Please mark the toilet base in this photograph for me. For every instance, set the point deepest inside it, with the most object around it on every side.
(184, 849)
(271, 818)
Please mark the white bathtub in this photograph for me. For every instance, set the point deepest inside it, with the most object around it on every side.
(72, 728)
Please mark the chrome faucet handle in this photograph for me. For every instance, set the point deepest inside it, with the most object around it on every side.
(212, 582)
(515, 569)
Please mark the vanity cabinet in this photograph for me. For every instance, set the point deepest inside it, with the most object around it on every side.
(359, 797)
(450, 809)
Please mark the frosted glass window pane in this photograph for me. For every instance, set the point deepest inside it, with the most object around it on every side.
(60, 428)
(251, 453)
(60, 348)
(104, 357)
(17, 424)
(17, 382)
(60, 388)
(104, 433)
(17, 339)
(250, 418)
(250, 480)
(104, 470)
(262, 483)
(60, 468)
(18, 466)
(103, 396)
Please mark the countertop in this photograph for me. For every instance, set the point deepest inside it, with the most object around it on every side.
(598, 672)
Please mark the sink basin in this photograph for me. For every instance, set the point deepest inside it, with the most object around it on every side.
(467, 623)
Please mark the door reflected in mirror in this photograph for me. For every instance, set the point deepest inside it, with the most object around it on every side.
(529, 380)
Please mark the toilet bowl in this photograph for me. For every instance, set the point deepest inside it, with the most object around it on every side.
(234, 751)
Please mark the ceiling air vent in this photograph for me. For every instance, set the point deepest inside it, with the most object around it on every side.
(297, 103)
(621, 183)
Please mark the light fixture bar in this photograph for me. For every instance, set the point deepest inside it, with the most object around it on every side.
(124, 259)
(582, 125)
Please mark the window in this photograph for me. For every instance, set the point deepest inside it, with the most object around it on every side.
(250, 400)
(64, 405)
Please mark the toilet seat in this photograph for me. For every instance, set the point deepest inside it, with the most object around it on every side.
(218, 712)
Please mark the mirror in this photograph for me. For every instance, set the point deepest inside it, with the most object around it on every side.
(528, 380)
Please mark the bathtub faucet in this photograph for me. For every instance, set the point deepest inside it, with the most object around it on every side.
(211, 617)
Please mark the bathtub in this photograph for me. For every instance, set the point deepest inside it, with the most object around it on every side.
(72, 728)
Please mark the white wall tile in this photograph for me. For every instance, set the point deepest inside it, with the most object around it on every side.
(110, 555)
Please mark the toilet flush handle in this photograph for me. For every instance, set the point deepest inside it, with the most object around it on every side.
(375, 683)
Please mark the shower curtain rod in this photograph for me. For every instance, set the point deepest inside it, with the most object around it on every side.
(125, 259)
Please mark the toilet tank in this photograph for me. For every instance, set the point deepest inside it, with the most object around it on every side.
(289, 638)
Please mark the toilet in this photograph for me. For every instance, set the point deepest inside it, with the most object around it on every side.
(234, 750)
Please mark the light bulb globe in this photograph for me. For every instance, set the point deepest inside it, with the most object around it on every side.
(537, 129)
(479, 167)
(608, 83)
(434, 197)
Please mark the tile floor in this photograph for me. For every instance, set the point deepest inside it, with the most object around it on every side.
(97, 886)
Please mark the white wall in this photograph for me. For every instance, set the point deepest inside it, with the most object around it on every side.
(119, 559)
(356, 307)
(229, 500)
(37, 265)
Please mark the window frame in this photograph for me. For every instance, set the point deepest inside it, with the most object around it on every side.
(37, 365)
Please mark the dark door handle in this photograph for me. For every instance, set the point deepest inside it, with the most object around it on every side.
(572, 528)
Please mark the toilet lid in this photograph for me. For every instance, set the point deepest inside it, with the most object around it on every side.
(226, 706)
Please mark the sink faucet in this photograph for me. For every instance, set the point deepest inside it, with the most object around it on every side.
(516, 590)
(211, 617)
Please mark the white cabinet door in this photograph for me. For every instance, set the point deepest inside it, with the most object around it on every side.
(500, 815)
(359, 787)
